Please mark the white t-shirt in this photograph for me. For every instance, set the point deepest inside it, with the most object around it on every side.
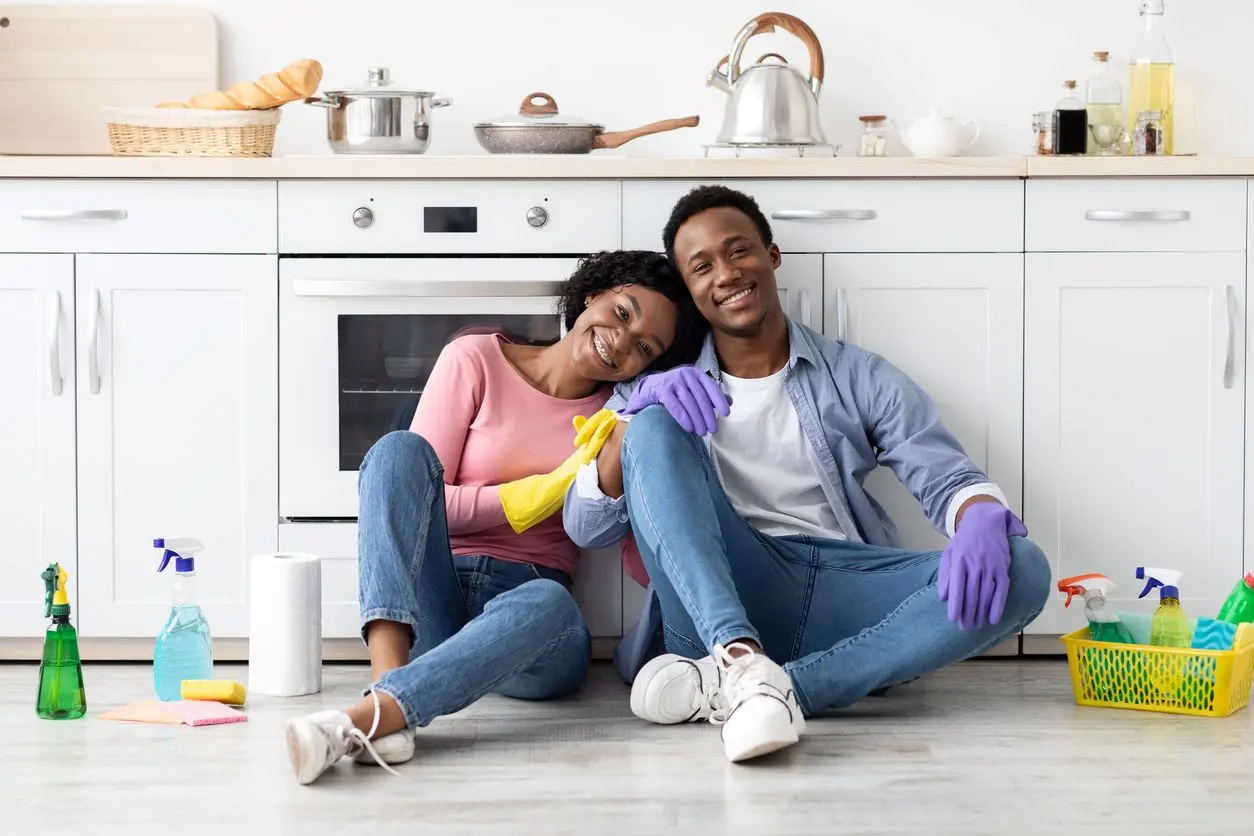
(766, 464)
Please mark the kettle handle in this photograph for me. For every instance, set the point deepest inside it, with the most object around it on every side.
(768, 22)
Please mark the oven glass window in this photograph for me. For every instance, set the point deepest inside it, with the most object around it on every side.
(385, 359)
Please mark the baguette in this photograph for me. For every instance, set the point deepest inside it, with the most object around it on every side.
(295, 81)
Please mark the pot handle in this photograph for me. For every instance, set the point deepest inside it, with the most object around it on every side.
(974, 136)
(613, 139)
(319, 101)
(546, 107)
(768, 22)
(441, 101)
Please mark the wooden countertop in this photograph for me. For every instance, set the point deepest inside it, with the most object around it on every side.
(595, 166)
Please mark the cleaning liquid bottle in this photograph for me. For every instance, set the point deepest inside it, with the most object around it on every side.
(1171, 626)
(61, 692)
(184, 646)
(1238, 608)
(1104, 625)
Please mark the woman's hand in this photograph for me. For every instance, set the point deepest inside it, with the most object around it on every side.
(533, 499)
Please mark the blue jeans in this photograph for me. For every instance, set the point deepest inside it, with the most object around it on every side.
(480, 625)
(843, 618)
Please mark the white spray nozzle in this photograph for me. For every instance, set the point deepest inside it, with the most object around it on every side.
(1168, 579)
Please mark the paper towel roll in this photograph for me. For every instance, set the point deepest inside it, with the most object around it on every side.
(285, 625)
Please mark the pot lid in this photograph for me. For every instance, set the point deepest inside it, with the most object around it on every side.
(538, 110)
(378, 83)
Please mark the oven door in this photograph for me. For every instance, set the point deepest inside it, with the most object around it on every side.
(357, 340)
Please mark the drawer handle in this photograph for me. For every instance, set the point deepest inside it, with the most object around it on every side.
(805, 308)
(842, 314)
(824, 215)
(74, 215)
(1137, 215)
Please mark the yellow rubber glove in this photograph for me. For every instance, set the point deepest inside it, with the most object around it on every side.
(533, 499)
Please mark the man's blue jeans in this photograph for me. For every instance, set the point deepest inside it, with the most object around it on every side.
(479, 624)
(843, 618)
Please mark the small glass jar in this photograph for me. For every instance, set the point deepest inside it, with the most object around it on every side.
(1043, 133)
(874, 139)
(1148, 139)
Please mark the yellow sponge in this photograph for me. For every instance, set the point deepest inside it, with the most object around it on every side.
(218, 690)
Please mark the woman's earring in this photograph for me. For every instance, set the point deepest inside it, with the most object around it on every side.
(587, 302)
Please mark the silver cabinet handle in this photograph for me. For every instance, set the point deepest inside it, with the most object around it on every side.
(1137, 215)
(74, 215)
(374, 288)
(842, 314)
(1230, 350)
(824, 215)
(93, 343)
(805, 307)
(54, 345)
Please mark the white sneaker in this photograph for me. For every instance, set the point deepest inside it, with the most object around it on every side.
(318, 741)
(762, 715)
(397, 747)
(672, 689)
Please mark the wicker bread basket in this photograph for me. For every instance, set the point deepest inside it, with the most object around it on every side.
(188, 132)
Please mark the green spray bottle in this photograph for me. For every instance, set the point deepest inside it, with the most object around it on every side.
(61, 693)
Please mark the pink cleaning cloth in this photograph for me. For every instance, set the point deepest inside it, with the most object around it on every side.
(204, 712)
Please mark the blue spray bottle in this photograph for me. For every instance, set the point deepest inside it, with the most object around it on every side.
(184, 646)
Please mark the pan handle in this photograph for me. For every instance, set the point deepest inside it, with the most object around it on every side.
(546, 107)
(614, 139)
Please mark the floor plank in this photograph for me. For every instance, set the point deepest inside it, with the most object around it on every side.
(989, 746)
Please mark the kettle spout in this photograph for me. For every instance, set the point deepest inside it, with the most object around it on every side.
(718, 80)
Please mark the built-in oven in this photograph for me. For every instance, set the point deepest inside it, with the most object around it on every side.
(375, 278)
(359, 338)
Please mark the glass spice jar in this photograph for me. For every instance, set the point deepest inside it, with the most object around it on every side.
(874, 139)
(1148, 140)
(1043, 133)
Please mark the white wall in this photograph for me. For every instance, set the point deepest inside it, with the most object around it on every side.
(628, 63)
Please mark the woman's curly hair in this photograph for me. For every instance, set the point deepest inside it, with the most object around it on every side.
(608, 270)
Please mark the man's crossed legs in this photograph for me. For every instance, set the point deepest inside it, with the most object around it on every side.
(843, 619)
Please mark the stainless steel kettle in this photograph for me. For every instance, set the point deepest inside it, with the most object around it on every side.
(769, 103)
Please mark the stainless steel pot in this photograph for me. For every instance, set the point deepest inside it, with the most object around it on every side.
(378, 118)
(539, 129)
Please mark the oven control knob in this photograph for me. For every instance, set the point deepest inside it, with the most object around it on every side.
(363, 217)
(537, 216)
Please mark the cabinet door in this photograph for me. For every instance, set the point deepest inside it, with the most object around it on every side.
(800, 282)
(953, 322)
(37, 430)
(1134, 401)
(177, 432)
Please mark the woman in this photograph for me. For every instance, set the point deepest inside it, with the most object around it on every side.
(465, 568)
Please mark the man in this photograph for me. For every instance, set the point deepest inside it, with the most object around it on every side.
(782, 586)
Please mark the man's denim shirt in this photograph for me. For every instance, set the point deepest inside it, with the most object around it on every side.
(858, 411)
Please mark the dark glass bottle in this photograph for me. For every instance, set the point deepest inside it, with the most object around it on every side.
(1070, 123)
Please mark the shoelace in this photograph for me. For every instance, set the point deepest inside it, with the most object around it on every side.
(356, 737)
(743, 673)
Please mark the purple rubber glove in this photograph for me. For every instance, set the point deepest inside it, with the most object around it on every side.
(974, 575)
(692, 398)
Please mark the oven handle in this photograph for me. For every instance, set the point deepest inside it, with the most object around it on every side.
(394, 289)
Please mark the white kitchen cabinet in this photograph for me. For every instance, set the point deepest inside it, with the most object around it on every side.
(177, 432)
(800, 282)
(37, 520)
(952, 322)
(1134, 398)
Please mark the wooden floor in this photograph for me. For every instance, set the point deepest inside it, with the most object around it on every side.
(995, 747)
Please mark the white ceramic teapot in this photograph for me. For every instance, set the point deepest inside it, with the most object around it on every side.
(939, 136)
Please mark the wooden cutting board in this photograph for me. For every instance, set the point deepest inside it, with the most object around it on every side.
(60, 64)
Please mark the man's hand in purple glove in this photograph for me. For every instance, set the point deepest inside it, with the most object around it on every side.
(692, 398)
(974, 575)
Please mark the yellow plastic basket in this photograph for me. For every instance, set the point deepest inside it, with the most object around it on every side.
(1206, 683)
